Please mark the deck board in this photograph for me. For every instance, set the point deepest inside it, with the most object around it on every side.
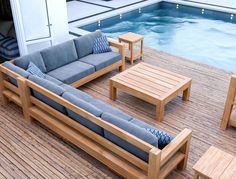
(35, 152)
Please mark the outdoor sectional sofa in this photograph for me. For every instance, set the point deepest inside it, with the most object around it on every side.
(115, 138)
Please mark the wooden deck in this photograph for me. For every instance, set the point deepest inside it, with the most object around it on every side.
(32, 151)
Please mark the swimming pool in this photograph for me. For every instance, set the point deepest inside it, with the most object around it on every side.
(201, 35)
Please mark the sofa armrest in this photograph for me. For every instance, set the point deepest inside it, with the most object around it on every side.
(121, 48)
(115, 43)
(179, 143)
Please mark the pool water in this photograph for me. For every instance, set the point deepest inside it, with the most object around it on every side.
(207, 41)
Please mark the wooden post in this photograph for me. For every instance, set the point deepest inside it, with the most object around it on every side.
(122, 52)
(2, 88)
(25, 98)
(142, 45)
(132, 53)
(154, 163)
(185, 150)
(229, 103)
(160, 111)
(113, 91)
(186, 93)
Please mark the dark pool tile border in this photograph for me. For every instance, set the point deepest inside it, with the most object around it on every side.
(72, 33)
(209, 4)
(96, 4)
(111, 9)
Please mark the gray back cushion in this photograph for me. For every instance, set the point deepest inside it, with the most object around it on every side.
(59, 55)
(132, 129)
(87, 107)
(36, 58)
(105, 107)
(17, 70)
(84, 44)
(51, 87)
(78, 93)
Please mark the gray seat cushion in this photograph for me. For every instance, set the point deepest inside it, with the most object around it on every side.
(51, 87)
(35, 58)
(86, 106)
(163, 137)
(72, 72)
(54, 80)
(101, 60)
(132, 129)
(109, 109)
(78, 93)
(59, 55)
(84, 44)
(17, 70)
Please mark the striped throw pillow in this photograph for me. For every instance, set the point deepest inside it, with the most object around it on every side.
(101, 45)
(1, 36)
(34, 70)
(163, 138)
(8, 47)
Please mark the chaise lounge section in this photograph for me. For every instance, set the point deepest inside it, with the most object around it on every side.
(129, 146)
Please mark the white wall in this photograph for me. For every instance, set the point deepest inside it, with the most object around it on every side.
(39, 23)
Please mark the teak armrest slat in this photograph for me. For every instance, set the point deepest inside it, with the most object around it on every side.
(121, 49)
(11, 87)
(8, 72)
(115, 43)
(175, 145)
(171, 165)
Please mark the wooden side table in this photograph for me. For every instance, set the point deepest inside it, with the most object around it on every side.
(131, 39)
(215, 164)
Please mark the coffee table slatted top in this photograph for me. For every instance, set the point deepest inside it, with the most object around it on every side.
(151, 80)
(152, 84)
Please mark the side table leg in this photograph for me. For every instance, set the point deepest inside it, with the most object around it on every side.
(132, 54)
(196, 176)
(160, 111)
(113, 92)
(141, 57)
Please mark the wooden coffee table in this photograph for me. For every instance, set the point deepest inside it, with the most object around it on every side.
(152, 84)
(216, 164)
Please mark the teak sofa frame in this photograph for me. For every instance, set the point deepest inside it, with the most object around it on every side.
(159, 165)
(161, 162)
(229, 118)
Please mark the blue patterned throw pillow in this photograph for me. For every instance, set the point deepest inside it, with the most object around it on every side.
(1, 36)
(163, 138)
(101, 45)
(34, 70)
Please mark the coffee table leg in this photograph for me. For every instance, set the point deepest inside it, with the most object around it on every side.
(113, 92)
(196, 176)
(160, 111)
(186, 94)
